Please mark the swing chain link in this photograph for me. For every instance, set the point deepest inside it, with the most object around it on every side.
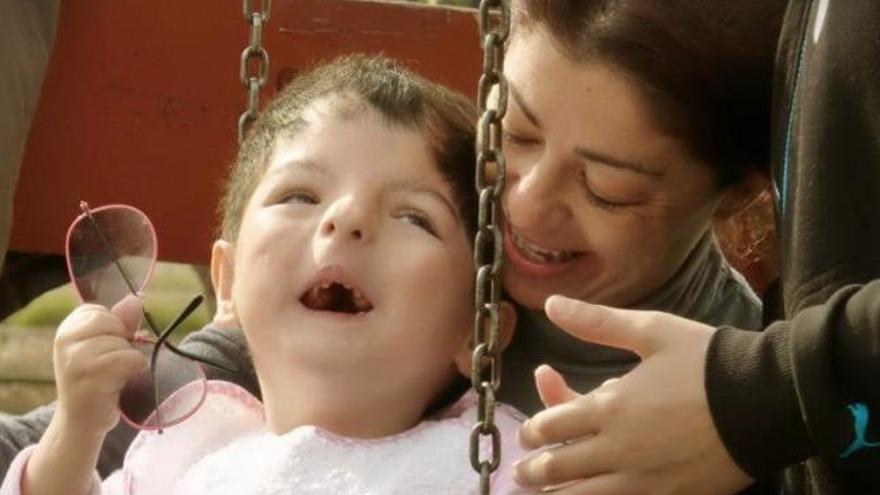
(254, 69)
(491, 175)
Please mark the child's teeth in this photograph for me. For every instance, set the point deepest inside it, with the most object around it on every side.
(360, 301)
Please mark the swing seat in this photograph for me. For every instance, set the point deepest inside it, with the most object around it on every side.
(140, 105)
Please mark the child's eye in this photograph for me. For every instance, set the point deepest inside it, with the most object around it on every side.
(420, 221)
(300, 197)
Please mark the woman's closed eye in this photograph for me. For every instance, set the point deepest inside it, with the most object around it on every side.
(599, 200)
(517, 139)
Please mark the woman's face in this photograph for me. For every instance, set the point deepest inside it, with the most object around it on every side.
(601, 204)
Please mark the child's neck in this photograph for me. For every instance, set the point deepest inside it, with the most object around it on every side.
(346, 409)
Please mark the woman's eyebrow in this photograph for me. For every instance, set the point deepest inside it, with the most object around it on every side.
(613, 162)
(409, 187)
(517, 97)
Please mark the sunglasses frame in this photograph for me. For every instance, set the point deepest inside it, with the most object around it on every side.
(160, 337)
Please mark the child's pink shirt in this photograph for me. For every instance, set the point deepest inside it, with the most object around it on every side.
(226, 448)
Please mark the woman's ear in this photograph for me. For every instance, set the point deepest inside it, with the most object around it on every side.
(222, 278)
(506, 328)
(737, 197)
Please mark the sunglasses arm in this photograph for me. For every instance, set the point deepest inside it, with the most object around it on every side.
(163, 337)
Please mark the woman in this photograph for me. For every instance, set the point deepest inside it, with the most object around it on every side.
(791, 405)
(630, 126)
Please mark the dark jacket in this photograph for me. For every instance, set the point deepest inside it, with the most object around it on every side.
(798, 405)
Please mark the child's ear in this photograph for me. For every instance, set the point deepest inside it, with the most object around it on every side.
(506, 327)
(222, 278)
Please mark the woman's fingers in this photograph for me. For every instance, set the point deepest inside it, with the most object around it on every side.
(563, 464)
(604, 484)
(552, 388)
(621, 328)
(565, 422)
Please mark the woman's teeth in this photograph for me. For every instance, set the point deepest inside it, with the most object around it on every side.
(538, 254)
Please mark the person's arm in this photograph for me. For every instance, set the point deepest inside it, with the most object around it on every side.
(17, 432)
(805, 387)
(227, 347)
(809, 386)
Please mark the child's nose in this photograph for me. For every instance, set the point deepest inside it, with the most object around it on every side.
(347, 219)
(332, 227)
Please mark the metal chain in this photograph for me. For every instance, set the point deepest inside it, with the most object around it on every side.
(254, 63)
(491, 175)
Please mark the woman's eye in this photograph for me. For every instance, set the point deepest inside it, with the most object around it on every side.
(598, 200)
(301, 197)
(420, 221)
(518, 139)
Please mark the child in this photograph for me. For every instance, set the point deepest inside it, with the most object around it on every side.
(345, 256)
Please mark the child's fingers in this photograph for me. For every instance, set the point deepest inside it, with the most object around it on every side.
(89, 376)
(86, 350)
(121, 364)
(129, 310)
(89, 321)
(82, 359)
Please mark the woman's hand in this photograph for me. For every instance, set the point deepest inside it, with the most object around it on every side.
(93, 358)
(649, 431)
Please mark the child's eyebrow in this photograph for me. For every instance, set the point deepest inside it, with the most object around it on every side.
(309, 166)
(410, 187)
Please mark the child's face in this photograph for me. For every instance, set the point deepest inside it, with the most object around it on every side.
(352, 272)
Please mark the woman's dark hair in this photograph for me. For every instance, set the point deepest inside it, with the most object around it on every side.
(706, 65)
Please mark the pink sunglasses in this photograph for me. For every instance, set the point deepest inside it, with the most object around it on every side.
(111, 253)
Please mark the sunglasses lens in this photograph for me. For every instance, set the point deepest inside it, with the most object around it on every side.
(180, 388)
(110, 254)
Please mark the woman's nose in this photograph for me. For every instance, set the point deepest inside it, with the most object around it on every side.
(534, 196)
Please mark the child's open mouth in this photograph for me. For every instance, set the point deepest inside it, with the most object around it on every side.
(336, 297)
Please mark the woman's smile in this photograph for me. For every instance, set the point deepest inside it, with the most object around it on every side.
(536, 260)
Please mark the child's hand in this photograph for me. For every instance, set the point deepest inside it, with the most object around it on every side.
(93, 359)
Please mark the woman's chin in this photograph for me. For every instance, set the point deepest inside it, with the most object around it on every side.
(528, 292)
(532, 293)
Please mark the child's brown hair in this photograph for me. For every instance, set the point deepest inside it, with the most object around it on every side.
(349, 85)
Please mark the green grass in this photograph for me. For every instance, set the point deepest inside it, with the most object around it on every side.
(171, 289)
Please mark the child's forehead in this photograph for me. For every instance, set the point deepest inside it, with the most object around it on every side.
(355, 143)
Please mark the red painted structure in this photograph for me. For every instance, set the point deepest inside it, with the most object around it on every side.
(142, 98)
(141, 102)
